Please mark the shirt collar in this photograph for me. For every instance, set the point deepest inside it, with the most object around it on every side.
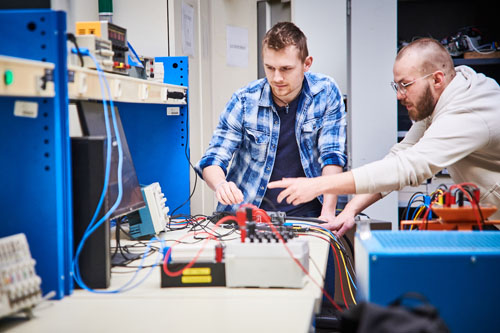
(308, 89)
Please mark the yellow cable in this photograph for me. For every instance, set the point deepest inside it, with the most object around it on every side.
(418, 213)
(349, 282)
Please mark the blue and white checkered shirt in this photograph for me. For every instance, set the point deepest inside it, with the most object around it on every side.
(248, 134)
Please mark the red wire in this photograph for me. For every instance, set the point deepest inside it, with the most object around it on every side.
(262, 214)
(464, 184)
(193, 261)
(340, 276)
(473, 203)
(273, 228)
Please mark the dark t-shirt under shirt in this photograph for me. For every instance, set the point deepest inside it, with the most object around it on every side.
(288, 165)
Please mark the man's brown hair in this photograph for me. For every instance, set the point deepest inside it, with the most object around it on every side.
(284, 34)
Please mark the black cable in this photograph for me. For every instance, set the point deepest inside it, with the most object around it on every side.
(312, 219)
(270, 203)
(308, 219)
(198, 225)
(403, 214)
(363, 214)
(72, 39)
(349, 243)
(466, 188)
(117, 237)
(189, 161)
(443, 187)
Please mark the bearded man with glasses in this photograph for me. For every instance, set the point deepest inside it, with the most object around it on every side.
(456, 115)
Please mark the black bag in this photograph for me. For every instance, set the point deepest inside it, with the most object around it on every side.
(397, 317)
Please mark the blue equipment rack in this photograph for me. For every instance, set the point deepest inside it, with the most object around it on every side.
(35, 169)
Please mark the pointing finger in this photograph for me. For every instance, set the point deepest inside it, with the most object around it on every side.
(278, 184)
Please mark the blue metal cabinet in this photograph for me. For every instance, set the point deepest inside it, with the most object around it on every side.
(457, 271)
(35, 195)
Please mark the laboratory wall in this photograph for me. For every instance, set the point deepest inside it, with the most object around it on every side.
(213, 74)
(324, 24)
(372, 104)
(355, 43)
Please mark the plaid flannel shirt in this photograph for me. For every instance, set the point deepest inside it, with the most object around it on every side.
(248, 134)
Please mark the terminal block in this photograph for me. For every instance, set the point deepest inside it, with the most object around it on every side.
(19, 284)
(266, 265)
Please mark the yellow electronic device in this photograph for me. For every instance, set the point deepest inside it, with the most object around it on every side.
(115, 34)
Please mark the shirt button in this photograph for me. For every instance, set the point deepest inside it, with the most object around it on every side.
(268, 168)
(276, 122)
(273, 146)
(262, 187)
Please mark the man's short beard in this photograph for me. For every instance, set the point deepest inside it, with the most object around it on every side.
(425, 106)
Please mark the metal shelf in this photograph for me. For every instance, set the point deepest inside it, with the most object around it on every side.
(83, 83)
(476, 61)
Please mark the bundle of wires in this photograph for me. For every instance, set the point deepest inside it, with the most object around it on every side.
(259, 215)
(471, 192)
(425, 202)
(318, 231)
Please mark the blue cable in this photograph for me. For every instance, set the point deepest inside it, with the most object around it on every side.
(91, 228)
(411, 202)
(92, 225)
(159, 256)
(85, 52)
(416, 210)
(76, 267)
(331, 233)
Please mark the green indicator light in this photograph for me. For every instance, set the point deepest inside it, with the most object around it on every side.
(9, 77)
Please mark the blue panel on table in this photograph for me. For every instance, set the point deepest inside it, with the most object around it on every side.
(159, 143)
(36, 186)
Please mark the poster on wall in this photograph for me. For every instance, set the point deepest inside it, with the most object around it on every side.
(237, 46)
(187, 29)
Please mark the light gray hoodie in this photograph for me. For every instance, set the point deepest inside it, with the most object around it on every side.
(462, 134)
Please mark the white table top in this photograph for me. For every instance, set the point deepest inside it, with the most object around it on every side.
(189, 309)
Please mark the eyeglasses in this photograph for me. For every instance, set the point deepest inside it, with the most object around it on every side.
(401, 87)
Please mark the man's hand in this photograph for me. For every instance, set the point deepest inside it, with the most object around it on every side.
(342, 223)
(296, 190)
(228, 193)
(328, 218)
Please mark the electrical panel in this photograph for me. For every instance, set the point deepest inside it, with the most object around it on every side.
(19, 283)
(147, 72)
(100, 48)
(115, 34)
